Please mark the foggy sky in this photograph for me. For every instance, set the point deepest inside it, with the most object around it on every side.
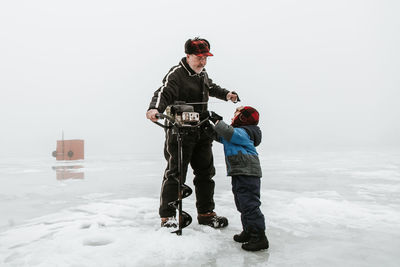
(323, 74)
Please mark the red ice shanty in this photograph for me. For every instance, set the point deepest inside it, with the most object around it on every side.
(69, 149)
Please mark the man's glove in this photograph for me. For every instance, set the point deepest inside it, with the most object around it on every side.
(238, 99)
(214, 117)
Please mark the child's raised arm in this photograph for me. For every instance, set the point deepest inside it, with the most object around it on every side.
(234, 135)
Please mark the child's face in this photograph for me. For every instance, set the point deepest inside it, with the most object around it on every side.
(237, 112)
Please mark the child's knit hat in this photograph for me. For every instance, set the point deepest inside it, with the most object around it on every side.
(247, 116)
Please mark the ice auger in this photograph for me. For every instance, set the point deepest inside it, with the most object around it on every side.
(181, 119)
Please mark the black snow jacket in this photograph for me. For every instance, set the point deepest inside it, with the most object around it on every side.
(183, 84)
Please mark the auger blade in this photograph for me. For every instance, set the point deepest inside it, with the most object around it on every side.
(186, 191)
(186, 220)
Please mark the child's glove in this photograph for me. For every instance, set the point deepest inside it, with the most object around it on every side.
(205, 115)
(214, 117)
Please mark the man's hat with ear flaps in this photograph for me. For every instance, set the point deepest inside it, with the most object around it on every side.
(198, 47)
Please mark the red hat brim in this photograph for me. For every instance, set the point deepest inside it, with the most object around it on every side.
(205, 54)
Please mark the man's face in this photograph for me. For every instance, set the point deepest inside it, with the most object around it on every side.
(196, 63)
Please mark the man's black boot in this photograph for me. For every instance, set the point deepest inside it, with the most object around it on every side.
(258, 241)
(211, 219)
(243, 237)
(169, 222)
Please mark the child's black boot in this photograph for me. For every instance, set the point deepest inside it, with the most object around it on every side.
(243, 237)
(258, 241)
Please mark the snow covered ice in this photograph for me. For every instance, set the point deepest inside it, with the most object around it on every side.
(321, 209)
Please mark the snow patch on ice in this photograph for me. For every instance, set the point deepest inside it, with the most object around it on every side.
(392, 174)
(301, 213)
(95, 196)
(127, 228)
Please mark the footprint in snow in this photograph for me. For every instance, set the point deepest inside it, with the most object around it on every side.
(97, 241)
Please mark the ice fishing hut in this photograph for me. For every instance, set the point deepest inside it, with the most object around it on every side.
(69, 149)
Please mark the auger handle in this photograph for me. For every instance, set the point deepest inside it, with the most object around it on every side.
(172, 120)
(162, 116)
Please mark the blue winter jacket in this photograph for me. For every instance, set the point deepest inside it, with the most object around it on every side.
(241, 156)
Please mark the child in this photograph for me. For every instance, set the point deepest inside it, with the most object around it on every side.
(239, 140)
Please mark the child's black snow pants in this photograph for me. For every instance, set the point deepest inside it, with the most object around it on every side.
(246, 190)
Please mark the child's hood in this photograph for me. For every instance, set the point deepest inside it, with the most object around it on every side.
(254, 132)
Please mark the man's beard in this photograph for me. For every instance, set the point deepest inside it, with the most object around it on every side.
(199, 69)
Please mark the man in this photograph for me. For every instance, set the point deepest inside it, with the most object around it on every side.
(189, 82)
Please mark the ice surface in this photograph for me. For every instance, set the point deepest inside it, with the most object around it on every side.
(321, 209)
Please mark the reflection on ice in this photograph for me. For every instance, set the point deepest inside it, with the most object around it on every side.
(69, 172)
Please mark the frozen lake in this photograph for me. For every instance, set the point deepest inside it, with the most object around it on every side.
(321, 209)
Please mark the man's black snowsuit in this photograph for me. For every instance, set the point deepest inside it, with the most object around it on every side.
(182, 84)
